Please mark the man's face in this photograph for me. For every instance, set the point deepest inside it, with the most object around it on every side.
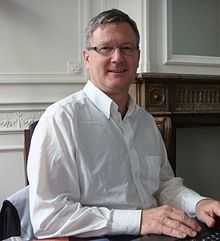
(112, 73)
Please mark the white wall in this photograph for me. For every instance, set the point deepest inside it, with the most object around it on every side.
(40, 62)
(162, 58)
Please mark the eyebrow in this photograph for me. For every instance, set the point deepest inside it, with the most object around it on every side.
(111, 44)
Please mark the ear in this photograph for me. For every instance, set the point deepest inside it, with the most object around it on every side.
(138, 61)
(139, 54)
(86, 57)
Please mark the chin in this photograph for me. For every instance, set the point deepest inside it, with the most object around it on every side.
(118, 80)
(118, 85)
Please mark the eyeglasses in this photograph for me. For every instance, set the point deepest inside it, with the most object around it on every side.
(109, 50)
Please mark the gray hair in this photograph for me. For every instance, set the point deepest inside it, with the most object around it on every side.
(107, 17)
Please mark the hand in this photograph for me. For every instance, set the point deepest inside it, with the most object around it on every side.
(52, 239)
(207, 210)
(169, 221)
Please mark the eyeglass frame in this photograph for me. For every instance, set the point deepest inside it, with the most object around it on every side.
(112, 49)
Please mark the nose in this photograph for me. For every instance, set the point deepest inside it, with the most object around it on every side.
(117, 55)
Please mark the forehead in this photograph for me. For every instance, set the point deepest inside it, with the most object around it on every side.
(115, 33)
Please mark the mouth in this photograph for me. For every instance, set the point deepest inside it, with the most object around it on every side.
(117, 71)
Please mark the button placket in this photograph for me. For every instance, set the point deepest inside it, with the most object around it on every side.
(135, 167)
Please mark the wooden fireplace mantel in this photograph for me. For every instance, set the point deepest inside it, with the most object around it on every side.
(188, 100)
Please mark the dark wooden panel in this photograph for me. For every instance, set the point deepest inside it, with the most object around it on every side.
(189, 100)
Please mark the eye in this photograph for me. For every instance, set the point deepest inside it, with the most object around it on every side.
(105, 49)
(128, 50)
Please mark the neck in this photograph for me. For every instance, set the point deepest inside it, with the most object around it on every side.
(122, 102)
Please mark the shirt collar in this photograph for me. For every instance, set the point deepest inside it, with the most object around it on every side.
(99, 98)
(103, 102)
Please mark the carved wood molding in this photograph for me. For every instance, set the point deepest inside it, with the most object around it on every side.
(198, 98)
(157, 96)
(182, 99)
(181, 93)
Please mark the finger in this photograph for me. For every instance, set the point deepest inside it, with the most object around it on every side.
(166, 230)
(216, 209)
(207, 210)
(181, 227)
(180, 216)
(208, 219)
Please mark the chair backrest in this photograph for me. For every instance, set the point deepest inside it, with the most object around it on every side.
(27, 142)
(164, 124)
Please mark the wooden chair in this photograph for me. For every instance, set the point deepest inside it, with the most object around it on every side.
(27, 142)
(164, 124)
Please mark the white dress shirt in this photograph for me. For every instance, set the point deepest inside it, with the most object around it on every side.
(91, 172)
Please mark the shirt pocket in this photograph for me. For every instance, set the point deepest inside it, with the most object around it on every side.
(150, 173)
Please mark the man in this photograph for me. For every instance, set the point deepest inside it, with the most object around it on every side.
(97, 164)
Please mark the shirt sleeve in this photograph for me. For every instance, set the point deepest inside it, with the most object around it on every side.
(55, 207)
(172, 191)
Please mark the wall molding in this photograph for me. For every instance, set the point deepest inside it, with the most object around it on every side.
(41, 78)
(23, 106)
(170, 58)
(12, 148)
(178, 59)
(145, 40)
(74, 71)
(14, 120)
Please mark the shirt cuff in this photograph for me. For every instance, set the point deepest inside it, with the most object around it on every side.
(190, 200)
(126, 222)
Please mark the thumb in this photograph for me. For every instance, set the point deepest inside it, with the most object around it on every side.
(207, 218)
